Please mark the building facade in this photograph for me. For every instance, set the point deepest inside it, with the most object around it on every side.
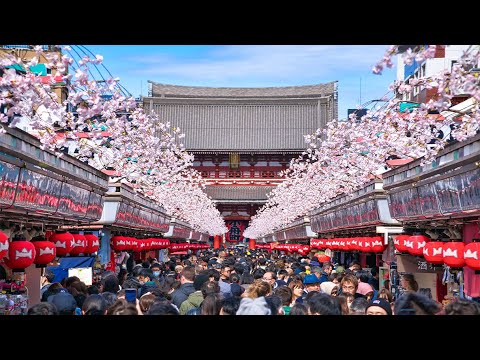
(445, 58)
(242, 138)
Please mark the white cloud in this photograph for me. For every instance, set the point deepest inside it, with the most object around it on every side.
(263, 64)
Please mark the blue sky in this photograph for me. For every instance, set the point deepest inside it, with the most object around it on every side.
(251, 66)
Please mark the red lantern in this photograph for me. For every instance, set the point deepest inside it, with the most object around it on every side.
(140, 245)
(45, 252)
(3, 244)
(92, 243)
(348, 244)
(314, 243)
(335, 244)
(148, 244)
(399, 243)
(128, 243)
(322, 244)
(328, 244)
(184, 246)
(360, 246)
(118, 243)
(79, 244)
(133, 244)
(367, 244)
(453, 254)
(433, 252)
(154, 243)
(21, 254)
(354, 244)
(63, 241)
(376, 244)
(165, 243)
(416, 243)
(471, 255)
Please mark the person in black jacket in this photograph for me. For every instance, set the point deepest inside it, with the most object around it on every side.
(186, 278)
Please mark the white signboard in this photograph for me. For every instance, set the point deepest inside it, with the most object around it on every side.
(84, 274)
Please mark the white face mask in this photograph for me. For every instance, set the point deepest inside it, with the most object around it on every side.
(156, 273)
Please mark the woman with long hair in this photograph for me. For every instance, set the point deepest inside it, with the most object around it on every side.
(257, 289)
(408, 282)
(297, 291)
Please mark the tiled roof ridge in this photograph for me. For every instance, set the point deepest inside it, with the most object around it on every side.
(169, 90)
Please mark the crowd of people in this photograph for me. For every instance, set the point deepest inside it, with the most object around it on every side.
(240, 282)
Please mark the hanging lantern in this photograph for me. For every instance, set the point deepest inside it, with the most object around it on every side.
(328, 244)
(348, 244)
(155, 243)
(416, 243)
(45, 251)
(314, 243)
(353, 244)
(360, 246)
(128, 243)
(367, 244)
(3, 244)
(79, 244)
(184, 246)
(21, 254)
(141, 245)
(336, 244)
(92, 243)
(63, 241)
(433, 252)
(165, 243)
(377, 245)
(399, 243)
(453, 254)
(322, 244)
(148, 244)
(306, 248)
(118, 243)
(133, 244)
(471, 255)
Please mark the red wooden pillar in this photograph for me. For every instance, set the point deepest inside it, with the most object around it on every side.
(217, 242)
(251, 244)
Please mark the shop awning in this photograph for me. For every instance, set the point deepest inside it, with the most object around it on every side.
(38, 185)
(128, 209)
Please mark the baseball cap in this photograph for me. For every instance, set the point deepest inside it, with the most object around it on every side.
(64, 301)
(311, 279)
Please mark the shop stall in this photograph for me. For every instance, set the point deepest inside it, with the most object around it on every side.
(357, 226)
(440, 203)
(295, 237)
(184, 238)
(39, 191)
(128, 218)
